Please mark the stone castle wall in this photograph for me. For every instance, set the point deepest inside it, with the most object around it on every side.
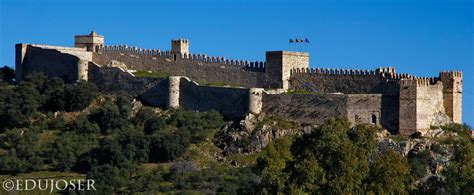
(63, 62)
(347, 81)
(316, 108)
(230, 102)
(197, 67)
(113, 80)
(306, 108)
(398, 102)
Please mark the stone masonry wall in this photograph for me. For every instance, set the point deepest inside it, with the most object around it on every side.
(65, 62)
(343, 81)
(113, 80)
(306, 108)
(230, 102)
(201, 69)
(429, 104)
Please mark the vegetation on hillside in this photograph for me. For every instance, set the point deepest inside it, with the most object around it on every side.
(49, 126)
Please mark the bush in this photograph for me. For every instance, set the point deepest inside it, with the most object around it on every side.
(81, 125)
(168, 146)
(154, 124)
(201, 125)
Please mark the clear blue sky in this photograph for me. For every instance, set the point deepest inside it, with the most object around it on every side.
(419, 38)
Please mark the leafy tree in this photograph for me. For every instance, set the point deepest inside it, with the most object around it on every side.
(82, 125)
(7, 74)
(143, 115)
(79, 95)
(201, 125)
(18, 104)
(364, 137)
(460, 173)
(271, 166)
(389, 174)
(109, 117)
(22, 151)
(343, 164)
(168, 146)
(54, 95)
(154, 124)
(66, 150)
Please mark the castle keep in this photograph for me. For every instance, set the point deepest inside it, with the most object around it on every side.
(283, 85)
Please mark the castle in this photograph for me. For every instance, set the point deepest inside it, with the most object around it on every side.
(282, 86)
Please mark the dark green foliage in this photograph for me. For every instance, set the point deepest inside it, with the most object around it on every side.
(419, 163)
(333, 159)
(109, 178)
(271, 166)
(150, 181)
(143, 115)
(388, 174)
(126, 146)
(17, 104)
(83, 126)
(65, 151)
(329, 148)
(23, 154)
(201, 125)
(168, 146)
(109, 117)
(364, 136)
(7, 74)
(215, 179)
(79, 95)
(154, 124)
(460, 173)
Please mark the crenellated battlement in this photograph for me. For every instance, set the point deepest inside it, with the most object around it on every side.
(450, 74)
(386, 74)
(399, 102)
(156, 54)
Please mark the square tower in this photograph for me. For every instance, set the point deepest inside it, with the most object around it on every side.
(179, 47)
(452, 94)
(279, 65)
(92, 42)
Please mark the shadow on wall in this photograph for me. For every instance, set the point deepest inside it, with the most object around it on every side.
(50, 62)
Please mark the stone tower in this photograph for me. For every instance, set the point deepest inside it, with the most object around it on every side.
(279, 65)
(92, 42)
(452, 94)
(179, 47)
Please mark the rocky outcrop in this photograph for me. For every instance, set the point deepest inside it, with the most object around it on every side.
(252, 134)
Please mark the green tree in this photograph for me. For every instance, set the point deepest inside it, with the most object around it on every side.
(79, 95)
(201, 125)
(363, 136)
(7, 74)
(65, 151)
(23, 153)
(337, 165)
(109, 117)
(168, 146)
(389, 174)
(81, 125)
(154, 124)
(271, 166)
(460, 173)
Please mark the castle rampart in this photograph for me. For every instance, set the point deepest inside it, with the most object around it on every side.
(401, 103)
